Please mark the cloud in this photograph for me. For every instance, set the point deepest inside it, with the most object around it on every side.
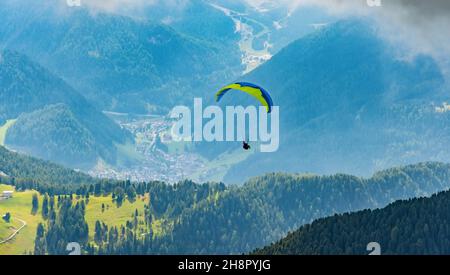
(421, 26)
(116, 5)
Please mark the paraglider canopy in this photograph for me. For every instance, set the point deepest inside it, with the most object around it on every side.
(249, 88)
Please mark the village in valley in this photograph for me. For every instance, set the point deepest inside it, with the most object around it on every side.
(157, 156)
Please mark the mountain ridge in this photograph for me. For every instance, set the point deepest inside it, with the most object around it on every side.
(27, 87)
(406, 227)
(117, 62)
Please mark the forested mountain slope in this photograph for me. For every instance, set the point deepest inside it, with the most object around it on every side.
(117, 62)
(413, 227)
(26, 92)
(240, 219)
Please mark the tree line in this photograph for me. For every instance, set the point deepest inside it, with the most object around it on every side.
(214, 219)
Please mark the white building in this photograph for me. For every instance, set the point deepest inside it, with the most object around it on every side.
(7, 194)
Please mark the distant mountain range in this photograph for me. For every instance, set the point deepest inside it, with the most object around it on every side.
(54, 122)
(117, 62)
(349, 103)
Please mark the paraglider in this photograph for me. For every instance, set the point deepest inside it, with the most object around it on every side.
(254, 90)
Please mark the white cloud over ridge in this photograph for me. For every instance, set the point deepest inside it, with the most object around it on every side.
(422, 26)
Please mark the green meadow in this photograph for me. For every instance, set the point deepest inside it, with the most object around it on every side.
(111, 214)
(20, 208)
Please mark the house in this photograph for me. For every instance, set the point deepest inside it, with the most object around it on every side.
(7, 194)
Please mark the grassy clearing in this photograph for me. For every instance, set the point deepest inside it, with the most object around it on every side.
(4, 130)
(112, 214)
(20, 207)
(6, 229)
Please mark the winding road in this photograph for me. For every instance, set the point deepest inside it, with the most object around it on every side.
(251, 57)
(24, 223)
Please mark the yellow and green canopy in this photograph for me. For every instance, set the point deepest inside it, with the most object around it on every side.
(256, 91)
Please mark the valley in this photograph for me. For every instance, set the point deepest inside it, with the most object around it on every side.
(251, 32)
(159, 157)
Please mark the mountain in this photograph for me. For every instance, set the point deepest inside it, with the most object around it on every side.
(414, 227)
(240, 219)
(26, 86)
(117, 62)
(16, 168)
(199, 19)
(56, 129)
(349, 103)
(53, 121)
(234, 220)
